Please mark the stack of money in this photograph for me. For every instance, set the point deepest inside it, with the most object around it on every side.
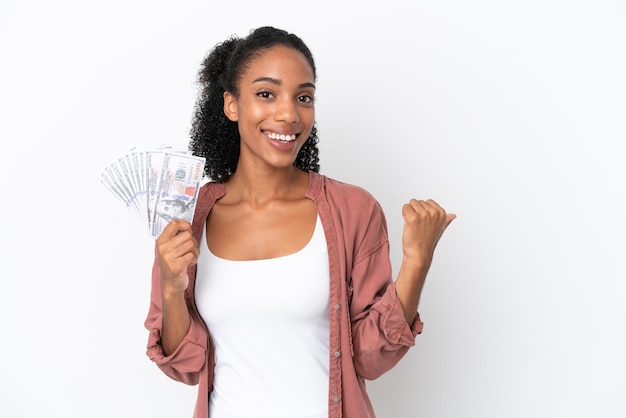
(158, 184)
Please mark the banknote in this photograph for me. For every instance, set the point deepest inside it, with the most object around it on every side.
(158, 184)
(176, 190)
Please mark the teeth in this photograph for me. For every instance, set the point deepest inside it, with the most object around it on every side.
(284, 138)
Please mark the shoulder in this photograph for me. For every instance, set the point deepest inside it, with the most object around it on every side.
(211, 189)
(356, 213)
(342, 193)
(208, 193)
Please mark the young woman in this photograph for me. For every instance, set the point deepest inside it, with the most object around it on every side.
(278, 300)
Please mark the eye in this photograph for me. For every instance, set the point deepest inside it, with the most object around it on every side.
(306, 98)
(265, 94)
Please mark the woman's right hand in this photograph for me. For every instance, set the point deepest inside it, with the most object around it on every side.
(177, 249)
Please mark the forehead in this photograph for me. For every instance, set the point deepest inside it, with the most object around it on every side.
(280, 62)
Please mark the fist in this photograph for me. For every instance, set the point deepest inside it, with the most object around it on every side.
(177, 249)
(424, 224)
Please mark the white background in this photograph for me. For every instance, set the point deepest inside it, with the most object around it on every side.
(509, 113)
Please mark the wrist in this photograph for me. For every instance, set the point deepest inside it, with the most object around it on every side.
(171, 295)
(416, 264)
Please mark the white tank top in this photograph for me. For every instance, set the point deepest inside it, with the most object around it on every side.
(269, 321)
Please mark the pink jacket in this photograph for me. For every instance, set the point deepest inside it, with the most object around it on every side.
(368, 332)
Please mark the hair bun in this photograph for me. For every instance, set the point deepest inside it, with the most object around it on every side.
(216, 63)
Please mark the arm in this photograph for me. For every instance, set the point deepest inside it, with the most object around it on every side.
(424, 223)
(177, 343)
(177, 249)
(384, 313)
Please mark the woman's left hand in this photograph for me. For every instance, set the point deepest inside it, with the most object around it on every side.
(424, 224)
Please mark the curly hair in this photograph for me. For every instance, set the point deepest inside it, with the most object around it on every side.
(213, 135)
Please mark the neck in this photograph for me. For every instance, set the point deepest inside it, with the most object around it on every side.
(262, 186)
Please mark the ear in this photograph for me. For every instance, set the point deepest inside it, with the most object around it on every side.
(230, 106)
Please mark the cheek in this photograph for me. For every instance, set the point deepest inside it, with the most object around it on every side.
(308, 118)
(252, 112)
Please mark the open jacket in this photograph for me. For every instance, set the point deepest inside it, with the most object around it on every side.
(368, 331)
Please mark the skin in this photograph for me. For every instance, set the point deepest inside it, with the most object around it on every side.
(264, 213)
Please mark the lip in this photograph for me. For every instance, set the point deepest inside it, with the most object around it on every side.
(281, 145)
(281, 136)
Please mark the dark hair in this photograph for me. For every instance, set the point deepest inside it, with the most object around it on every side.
(213, 135)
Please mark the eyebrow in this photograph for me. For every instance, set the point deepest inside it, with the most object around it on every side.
(279, 83)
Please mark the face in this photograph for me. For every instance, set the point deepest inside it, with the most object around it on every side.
(275, 110)
(169, 208)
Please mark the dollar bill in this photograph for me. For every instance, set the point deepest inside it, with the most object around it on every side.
(177, 190)
(159, 184)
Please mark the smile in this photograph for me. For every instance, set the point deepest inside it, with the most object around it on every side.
(282, 137)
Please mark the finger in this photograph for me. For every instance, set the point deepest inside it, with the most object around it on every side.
(184, 254)
(173, 228)
(428, 209)
(175, 259)
(181, 244)
(432, 204)
(449, 218)
(417, 205)
(410, 210)
(428, 205)
(190, 258)
(182, 248)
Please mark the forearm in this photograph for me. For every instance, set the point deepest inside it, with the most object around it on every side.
(176, 321)
(409, 284)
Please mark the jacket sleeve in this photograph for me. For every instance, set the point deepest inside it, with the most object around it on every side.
(380, 333)
(185, 363)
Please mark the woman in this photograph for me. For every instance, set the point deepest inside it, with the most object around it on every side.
(278, 300)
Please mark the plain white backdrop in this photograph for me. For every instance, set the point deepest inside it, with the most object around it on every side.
(510, 114)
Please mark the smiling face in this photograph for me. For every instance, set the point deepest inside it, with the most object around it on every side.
(275, 109)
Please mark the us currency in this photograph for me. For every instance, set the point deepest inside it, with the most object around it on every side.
(158, 184)
(177, 190)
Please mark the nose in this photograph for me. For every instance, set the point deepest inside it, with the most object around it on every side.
(286, 111)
